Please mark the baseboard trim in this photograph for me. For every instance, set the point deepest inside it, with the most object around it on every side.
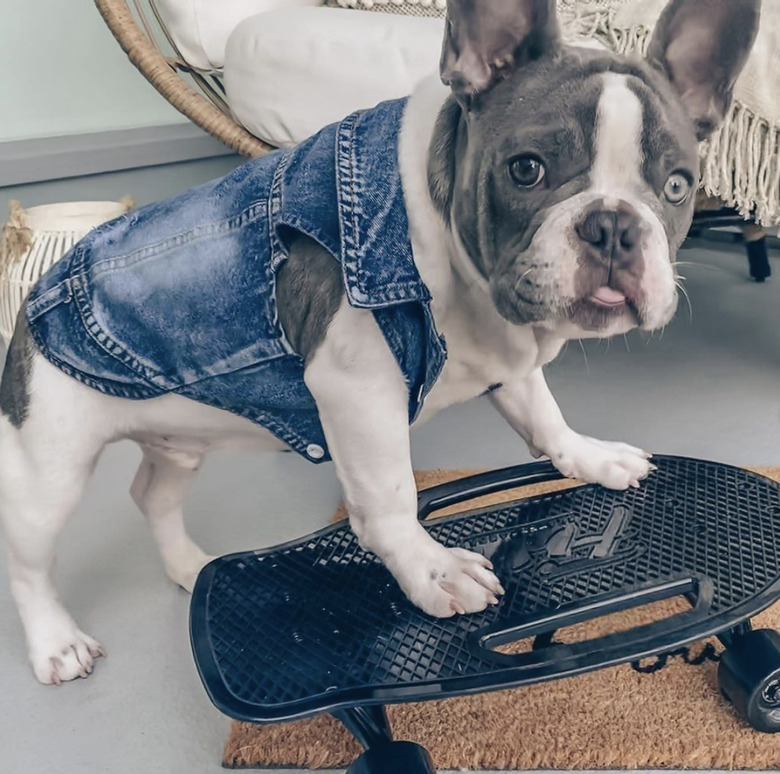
(56, 158)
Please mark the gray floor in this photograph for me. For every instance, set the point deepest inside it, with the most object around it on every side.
(708, 387)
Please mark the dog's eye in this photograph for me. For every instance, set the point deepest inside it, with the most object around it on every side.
(527, 171)
(677, 188)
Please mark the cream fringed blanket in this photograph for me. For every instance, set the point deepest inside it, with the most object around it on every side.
(741, 162)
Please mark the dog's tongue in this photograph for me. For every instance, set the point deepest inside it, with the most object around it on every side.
(608, 297)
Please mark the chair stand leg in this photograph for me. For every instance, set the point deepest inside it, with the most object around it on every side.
(758, 258)
(370, 726)
(394, 758)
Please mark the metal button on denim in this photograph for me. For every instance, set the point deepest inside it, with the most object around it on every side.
(315, 451)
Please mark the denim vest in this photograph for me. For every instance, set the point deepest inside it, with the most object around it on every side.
(179, 296)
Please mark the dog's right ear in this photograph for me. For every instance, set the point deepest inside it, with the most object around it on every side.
(484, 39)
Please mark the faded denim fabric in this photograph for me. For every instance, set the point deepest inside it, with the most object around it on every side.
(179, 296)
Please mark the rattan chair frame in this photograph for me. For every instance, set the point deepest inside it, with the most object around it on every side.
(142, 34)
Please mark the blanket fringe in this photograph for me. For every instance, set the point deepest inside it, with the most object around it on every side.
(740, 163)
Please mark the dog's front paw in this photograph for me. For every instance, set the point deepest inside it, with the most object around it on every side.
(613, 465)
(445, 581)
(62, 652)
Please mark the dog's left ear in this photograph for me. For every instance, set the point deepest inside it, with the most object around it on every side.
(702, 46)
(485, 38)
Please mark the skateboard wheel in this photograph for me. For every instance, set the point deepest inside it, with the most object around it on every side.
(394, 758)
(749, 677)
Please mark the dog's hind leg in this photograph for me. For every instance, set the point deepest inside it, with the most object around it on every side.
(159, 489)
(46, 459)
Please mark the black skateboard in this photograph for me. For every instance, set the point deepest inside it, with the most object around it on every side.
(319, 625)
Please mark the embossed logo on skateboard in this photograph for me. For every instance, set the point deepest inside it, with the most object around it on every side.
(562, 549)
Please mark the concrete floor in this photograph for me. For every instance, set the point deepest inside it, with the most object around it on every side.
(709, 387)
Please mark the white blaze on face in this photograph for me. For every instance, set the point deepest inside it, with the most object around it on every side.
(617, 175)
(617, 167)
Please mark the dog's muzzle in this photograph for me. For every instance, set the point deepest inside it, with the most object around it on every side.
(611, 267)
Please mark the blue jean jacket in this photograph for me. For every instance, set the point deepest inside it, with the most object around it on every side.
(179, 296)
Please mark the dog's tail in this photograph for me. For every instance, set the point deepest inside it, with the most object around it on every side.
(15, 381)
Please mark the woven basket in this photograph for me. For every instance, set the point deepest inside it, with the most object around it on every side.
(34, 239)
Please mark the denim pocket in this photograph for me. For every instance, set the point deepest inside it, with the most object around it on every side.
(188, 308)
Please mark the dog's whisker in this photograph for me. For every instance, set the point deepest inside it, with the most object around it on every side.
(682, 289)
(708, 266)
(584, 355)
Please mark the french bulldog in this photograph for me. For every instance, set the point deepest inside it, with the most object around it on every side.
(417, 255)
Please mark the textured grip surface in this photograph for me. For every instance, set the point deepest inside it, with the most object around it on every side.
(319, 623)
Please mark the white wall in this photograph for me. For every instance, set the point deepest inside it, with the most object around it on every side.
(62, 72)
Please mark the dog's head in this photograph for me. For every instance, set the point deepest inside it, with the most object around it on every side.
(568, 174)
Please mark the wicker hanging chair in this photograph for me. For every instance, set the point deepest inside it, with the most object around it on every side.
(199, 96)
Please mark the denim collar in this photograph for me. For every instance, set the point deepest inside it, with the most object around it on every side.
(368, 231)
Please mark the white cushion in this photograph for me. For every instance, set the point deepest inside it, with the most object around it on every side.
(200, 28)
(289, 73)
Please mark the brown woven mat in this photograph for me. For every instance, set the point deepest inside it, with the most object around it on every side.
(614, 718)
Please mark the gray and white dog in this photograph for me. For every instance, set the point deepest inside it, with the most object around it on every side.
(547, 189)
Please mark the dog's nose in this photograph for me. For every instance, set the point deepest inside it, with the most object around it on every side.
(614, 233)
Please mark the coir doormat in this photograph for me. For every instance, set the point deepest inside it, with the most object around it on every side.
(665, 713)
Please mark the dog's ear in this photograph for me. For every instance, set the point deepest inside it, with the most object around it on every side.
(485, 38)
(702, 46)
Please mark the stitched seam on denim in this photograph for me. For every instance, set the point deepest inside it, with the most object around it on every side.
(278, 253)
(279, 429)
(346, 200)
(293, 221)
(196, 234)
(395, 344)
(292, 439)
(434, 364)
(347, 185)
(48, 300)
(101, 338)
(144, 370)
(96, 333)
(119, 390)
(393, 296)
(269, 359)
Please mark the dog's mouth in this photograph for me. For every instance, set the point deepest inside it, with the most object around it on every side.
(602, 309)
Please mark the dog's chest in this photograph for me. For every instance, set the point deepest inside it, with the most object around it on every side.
(475, 366)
